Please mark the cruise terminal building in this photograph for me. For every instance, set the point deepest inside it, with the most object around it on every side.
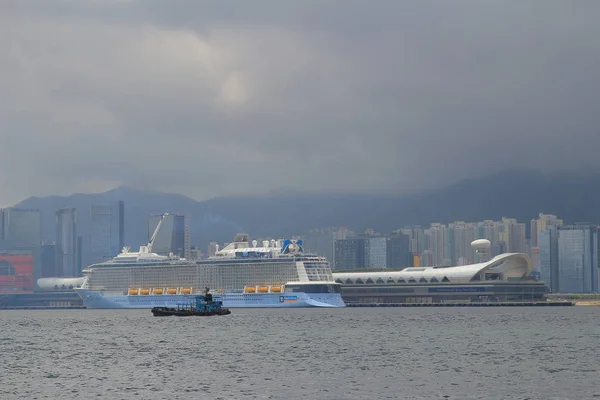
(504, 278)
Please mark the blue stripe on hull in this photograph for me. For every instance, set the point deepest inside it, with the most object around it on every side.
(95, 300)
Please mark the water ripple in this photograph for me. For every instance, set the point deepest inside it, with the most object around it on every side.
(454, 353)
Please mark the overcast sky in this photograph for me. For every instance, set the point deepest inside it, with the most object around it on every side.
(231, 97)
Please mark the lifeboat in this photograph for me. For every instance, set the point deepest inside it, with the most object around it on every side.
(275, 289)
(145, 291)
(219, 291)
(132, 292)
(250, 289)
(186, 290)
(158, 291)
(171, 291)
(263, 289)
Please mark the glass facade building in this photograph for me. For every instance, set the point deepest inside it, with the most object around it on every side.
(398, 254)
(375, 252)
(548, 244)
(66, 242)
(101, 243)
(578, 259)
(48, 259)
(121, 225)
(349, 254)
(105, 237)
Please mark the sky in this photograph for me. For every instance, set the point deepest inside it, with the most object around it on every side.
(217, 98)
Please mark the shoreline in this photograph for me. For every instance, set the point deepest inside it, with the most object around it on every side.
(587, 303)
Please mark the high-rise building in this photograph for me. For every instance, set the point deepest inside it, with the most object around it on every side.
(578, 259)
(66, 242)
(548, 245)
(79, 255)
(106, 233)
(173, 235)
(541, 224)
(101, 243)
(426, 259)
(398, 254)
(463, 234)
(512, 234)
(349, 254)
(417, 238)
(121, 224)
(535, 258)
(181, 236)
(321, 241)
(436, 243)
(21, 230)
(375, 252)
(449, 245)
(48, 259)
(518, 238)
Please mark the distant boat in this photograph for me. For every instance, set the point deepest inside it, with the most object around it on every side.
(204, 306)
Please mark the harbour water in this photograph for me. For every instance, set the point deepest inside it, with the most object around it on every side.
(352, 353)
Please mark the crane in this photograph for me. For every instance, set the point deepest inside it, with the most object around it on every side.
(151, 242)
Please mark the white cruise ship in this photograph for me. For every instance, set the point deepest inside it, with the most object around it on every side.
(275, 274)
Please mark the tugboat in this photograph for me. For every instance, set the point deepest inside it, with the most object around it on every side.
(204, 306)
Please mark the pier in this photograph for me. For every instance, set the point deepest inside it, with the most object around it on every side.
(468, 304)
(42, 300)
(42, 308)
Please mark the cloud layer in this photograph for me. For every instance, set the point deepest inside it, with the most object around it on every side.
(220, 98)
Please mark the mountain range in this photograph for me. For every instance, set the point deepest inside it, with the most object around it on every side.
(520, 194)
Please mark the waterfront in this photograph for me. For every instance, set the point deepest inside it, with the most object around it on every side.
(352, 353)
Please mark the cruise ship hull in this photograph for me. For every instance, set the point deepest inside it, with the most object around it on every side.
(97, 300)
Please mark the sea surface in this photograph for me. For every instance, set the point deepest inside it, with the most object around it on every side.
(352, 353)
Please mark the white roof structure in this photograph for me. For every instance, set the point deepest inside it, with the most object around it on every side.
(49, 283)
(503, 267)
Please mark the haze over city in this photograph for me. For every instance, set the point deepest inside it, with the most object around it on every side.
(227, 98)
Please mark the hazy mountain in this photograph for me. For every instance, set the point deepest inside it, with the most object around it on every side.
(519, 194)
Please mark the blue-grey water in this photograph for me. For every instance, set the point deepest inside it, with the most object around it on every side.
(395, 353)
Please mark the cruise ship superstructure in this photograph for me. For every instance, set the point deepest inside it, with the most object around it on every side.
(275, 274)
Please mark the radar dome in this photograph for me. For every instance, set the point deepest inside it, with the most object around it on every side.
(481, 245)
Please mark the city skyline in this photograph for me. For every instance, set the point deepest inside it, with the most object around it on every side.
(566, 257)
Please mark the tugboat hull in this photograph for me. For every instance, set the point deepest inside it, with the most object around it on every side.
(168, 312)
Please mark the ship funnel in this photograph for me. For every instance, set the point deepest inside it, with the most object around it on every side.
(265, 243)
(254, 243)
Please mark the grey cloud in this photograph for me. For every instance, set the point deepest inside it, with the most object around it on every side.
(223, 98)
